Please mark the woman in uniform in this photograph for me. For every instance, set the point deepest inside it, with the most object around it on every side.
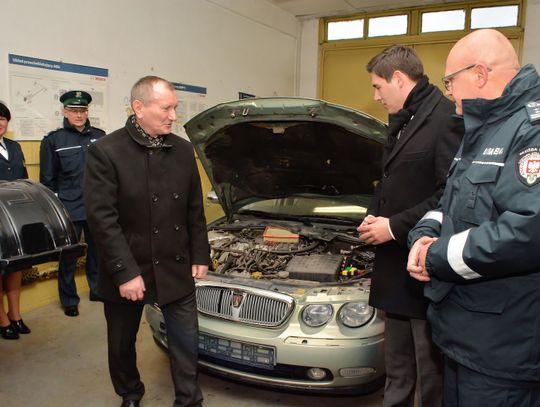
(12, 167)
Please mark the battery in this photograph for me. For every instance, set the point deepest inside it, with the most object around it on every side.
(315, 267)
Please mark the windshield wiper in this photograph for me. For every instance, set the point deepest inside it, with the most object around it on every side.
(326, 219)
(270, 215)
(306, 220)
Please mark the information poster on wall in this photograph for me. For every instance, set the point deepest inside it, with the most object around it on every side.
(191, 102)
(36, 86)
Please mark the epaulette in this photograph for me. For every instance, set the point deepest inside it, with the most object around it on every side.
(533, 111)
(53, 131)
(98, 129)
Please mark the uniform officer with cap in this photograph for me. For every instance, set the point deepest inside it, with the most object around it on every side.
(62, 163)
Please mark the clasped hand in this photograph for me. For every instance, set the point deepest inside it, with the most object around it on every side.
(374, 230)
(416, 264)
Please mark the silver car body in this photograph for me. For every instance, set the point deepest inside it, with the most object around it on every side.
(287, 253)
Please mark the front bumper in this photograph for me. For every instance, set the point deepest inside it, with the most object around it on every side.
(275, 358)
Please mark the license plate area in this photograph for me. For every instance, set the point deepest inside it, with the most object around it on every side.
(249, 354)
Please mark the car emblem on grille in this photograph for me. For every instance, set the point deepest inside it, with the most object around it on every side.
(237, 298)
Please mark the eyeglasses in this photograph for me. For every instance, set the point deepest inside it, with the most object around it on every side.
(447, 80)
(76, 110)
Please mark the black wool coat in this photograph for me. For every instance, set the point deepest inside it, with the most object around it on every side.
(144, 208)
(413, 179)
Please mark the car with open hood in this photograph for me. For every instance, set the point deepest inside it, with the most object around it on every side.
(286, 301)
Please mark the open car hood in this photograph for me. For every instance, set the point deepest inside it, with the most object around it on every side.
(264, 148)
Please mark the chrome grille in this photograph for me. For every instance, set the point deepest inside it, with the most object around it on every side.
(246, 305)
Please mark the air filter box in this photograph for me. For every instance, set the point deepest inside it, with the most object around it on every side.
(274, 235)
(316, 267)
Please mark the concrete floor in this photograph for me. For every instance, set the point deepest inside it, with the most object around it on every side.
(63, 362)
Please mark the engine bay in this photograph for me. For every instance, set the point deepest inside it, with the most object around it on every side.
(270, 252)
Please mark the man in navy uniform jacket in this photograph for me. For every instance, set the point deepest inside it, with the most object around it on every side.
(62, 163)
(480, 248)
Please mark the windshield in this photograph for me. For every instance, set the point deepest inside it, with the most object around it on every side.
(349, 207)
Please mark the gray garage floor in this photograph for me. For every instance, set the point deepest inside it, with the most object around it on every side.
(63, 363)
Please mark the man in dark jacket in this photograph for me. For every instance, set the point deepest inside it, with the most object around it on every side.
(480, 249)
(423, 138)
(62, 162)
(144, 206)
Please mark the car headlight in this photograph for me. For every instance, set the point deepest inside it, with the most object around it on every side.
(355, 314)
(317, 314)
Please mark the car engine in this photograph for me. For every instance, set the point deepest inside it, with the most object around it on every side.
(277, 253)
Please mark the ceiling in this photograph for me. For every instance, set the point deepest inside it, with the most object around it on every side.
(324, 8)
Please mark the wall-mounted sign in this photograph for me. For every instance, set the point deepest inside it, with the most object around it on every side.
(36, 86)
(191, 102)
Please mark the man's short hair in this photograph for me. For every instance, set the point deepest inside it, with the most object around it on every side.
(4, 112)
(142, 89)
(396, 58)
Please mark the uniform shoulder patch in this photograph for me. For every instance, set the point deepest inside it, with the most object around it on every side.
(528, 166)
(53, 131)
(533, 111)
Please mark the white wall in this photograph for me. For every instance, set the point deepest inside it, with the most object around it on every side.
(531, 49)
(308, 67)
(226, 46)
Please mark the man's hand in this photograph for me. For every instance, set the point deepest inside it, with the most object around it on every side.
(374, 230)
(199, 270)
(133, 289)
(416, 264)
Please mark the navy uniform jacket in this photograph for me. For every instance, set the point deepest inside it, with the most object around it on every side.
(485, 266)
(14, 167)
(62, 163)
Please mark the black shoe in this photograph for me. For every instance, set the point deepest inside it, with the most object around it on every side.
(131, 403)
(71, 311)
(20, 327)
(8, 332)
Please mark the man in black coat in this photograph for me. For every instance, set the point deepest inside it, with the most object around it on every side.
(144, 205)
(423, 136)
(62, 161)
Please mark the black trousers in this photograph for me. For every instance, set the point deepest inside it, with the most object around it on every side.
(411, 357)
(123, 322)
(67, 288)
(464, 387)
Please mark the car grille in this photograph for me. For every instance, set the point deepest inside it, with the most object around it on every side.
(250, 306)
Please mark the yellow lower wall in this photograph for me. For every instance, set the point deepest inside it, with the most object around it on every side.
(40, 293)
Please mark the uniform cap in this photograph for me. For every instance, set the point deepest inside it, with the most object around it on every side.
(76, 98)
